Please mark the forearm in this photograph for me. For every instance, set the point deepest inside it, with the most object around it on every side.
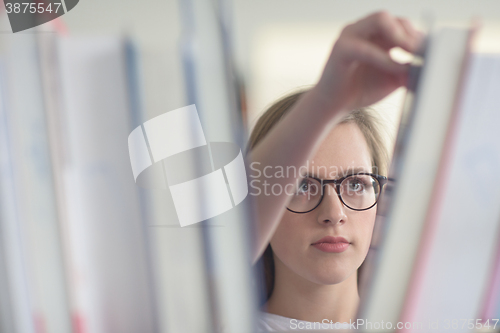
(288, 145)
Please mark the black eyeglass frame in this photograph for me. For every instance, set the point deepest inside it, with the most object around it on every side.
(382, 180)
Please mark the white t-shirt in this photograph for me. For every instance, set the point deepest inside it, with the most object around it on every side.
(269, 322)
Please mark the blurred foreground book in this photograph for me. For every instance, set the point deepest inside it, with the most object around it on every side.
(432, 258)
(31, 244)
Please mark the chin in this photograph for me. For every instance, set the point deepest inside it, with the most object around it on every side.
(330, 276)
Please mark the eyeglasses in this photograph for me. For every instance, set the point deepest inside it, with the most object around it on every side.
(358, 192)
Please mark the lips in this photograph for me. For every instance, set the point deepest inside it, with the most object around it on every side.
(332, 244)
(332, 240)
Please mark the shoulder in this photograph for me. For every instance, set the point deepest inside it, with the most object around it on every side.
(269, 322)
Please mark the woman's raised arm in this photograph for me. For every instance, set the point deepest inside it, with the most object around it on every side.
(359, 72)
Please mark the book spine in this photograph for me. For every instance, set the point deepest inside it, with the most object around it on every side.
(105, 224)
(17, 304)
(34, 186)
(49, 64)
(413, 299)
(430, 225)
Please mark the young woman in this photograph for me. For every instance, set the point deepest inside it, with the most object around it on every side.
(314, 239)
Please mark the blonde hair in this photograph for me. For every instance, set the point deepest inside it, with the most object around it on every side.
(364, 118)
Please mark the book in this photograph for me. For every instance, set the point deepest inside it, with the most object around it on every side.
(16, 305)
(454, 262)
(33, 186)
(106, 231)
(416, 168)
(210, 85)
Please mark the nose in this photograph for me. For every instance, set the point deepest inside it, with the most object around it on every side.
(331, 209)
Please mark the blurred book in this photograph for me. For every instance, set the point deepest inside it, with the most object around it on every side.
(458, 245)
(421, 162)
(32, 193)
(212, 85)
(105, 228)
(16, 306)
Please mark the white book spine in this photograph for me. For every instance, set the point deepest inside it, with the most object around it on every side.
(437, 89)
(16, 298)
(104, 219)
(462, 245)
(34, 186)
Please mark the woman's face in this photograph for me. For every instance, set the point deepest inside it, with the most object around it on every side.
(344, 149)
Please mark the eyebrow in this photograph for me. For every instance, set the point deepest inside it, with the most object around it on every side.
(348, 171)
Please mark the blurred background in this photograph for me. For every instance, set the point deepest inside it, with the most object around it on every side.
(277, 45)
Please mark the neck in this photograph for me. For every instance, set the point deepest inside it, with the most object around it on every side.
(296, 297)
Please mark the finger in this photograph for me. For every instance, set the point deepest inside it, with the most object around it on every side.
(410, 30)
(385, 29)
(367, 52)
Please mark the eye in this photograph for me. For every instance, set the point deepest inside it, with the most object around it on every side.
(356, 185)
(305, 186)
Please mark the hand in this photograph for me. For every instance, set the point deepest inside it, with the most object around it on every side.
(360, 71)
